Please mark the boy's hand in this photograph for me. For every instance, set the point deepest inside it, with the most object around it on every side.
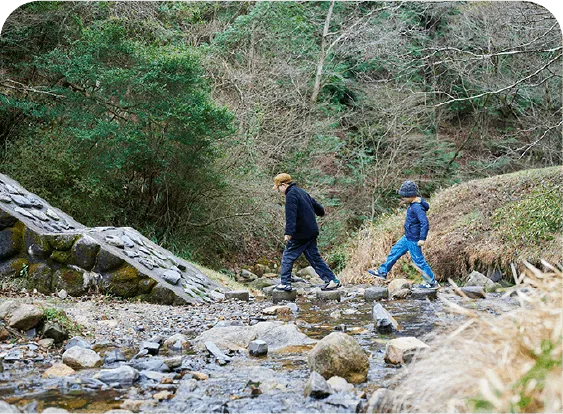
(286, 238)
(421, 243)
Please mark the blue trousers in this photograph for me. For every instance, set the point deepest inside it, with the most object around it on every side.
(400, 248)
(294, 249)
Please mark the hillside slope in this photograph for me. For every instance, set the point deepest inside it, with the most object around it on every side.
(484, 225)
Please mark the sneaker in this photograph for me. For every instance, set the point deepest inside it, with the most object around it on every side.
(333, 284)
(378, 275)
(286, 287)
(434, 285)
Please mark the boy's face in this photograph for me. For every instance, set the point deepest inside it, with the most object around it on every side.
(407, 200)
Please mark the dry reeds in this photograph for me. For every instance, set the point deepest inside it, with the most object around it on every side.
(507, 363)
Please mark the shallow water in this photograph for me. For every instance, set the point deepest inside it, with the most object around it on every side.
(274, 383)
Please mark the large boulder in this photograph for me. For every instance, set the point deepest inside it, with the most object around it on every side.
(25, 317)
(340, 355)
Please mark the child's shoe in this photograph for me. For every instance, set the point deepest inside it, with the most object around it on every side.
(333, 284)
(285, 288)
(433, 285)
(378, 275)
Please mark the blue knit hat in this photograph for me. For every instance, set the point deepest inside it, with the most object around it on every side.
(408, 189)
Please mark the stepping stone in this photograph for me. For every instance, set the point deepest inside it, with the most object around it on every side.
(384, 321)
(282, 295)
(329, 295)
(241, 295)
(419, 293)
(401, 350)
(258, 348)
(375, 293)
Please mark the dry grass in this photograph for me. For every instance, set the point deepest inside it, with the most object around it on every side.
(471, 228)
(507, 363)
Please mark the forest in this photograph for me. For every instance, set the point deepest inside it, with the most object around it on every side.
(173, 117)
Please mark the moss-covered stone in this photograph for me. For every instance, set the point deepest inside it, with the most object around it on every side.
(123, 282)
(146, 284)
(84, 252)
(36, 245)
(160, 294)
(62, 256)
(40, 277)
(107, 261)
(11, 242)
(62, 241)
(70, 280)
(16, 267)
(6, 220)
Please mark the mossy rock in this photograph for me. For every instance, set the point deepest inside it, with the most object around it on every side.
(62, 256)
(123, 282)
(84, 252)
(13, 268)
(146, 284)
(62, 241)
(11, 241)
(70, 280)
(36, 245)
(107, 261)
(162, 295)
(40, 277)
(6, 220)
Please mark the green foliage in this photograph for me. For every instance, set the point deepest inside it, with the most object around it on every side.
(59, 316)
(539, 216)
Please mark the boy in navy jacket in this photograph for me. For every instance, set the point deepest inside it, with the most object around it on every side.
(416, 230)
(301, 231)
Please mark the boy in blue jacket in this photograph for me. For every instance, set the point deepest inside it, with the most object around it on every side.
(416, 230)
(301, 231)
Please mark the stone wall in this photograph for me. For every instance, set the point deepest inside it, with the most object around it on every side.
(51, 251)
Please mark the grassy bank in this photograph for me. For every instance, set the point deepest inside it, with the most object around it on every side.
(479, 225)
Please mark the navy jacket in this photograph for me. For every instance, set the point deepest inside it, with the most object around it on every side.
(300, 212)
(416, 223)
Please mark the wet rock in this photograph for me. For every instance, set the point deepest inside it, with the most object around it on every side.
(173, 363)
(401, 350)
(241, 295)
(79, 358)
(150, 364)
(124, 375)
(58, 370)
(177, 343)
(54, 331)
(79, 342)
(384, 321)
(279, 335)
(317, 386)
(339, 384)
(7, 408)
(401, 294)
(421, 293)
(329, 295)
(163, 395)
(338, 354)
(274, 310)
(473, 292)
(478, 279)
(25, 317)
(281, 295)
(228, 337)
(199, 376)
(258, 348)
(375, 293)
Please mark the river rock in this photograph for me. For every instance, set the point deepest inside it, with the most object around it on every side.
(376, 293)
(84, 252)
(308, 273)
(7, 307)
(329, 295)
(54, 331)
(317, 386)
(281, 295)
(421, 293)
(279, 335)
(217, 353)
(397, 285)
(339, 384)
(478, 279)
(340, 355)
(241, 295)
(278, 309)
(79, 358)
(380, 401)
(79, 342)
(151, 347)
(258, 348)
(113, 356)
(124, 375)
(150, 364)
(25, 317)
(58, 370)
(175, 344)
(384, 321)
(401, 350)
(7, 408)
